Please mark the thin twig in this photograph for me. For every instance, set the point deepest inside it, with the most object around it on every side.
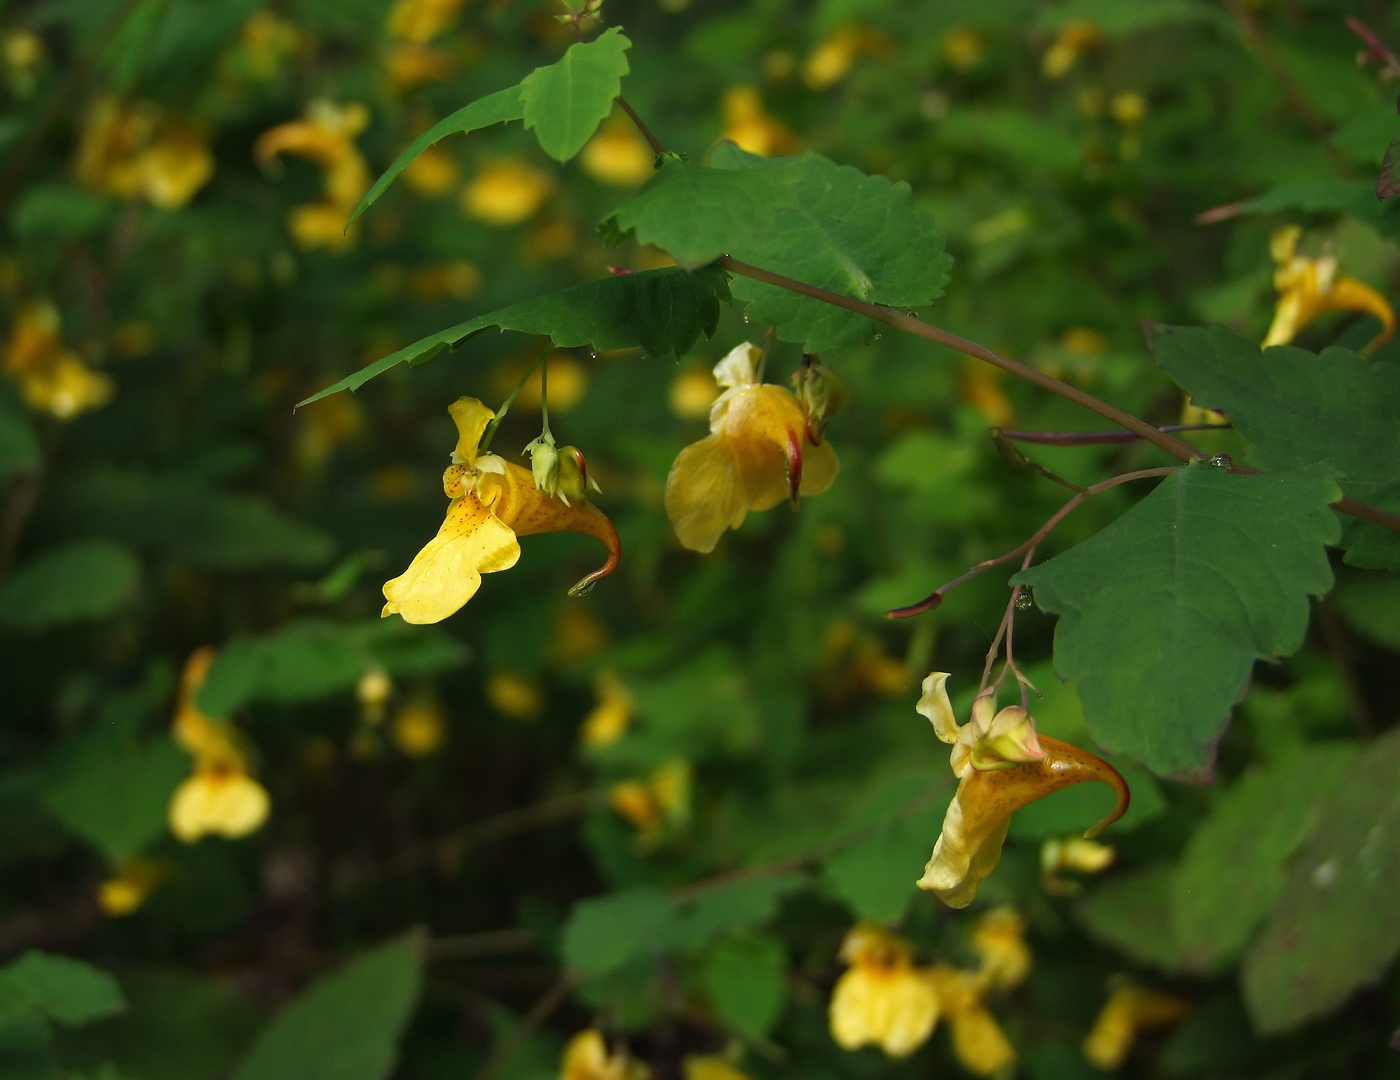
(483, 943)
(555, 996)
(647, 134)
(1374, 43)
(1096, 438)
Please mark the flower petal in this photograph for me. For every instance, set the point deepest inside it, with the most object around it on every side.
(935, 705)
(704, 495)
(471, 418)
(447, 572)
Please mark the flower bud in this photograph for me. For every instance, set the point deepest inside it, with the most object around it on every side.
(820, 392)
(544, 464)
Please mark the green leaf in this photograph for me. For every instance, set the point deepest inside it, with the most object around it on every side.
(1164, 612)
(347, 1026)
(57, 988)
(566, 101)
(1231, 873)
(84, 580)
(1116, 18)
(735, 906)
(1295, 408)
(876, 876)
(604, 933)
(19, 446)
(1131, 912)
(497, 108)
(746, 980)
(824, 224)
(1336, 926)
(1371, 606)
(660, 311)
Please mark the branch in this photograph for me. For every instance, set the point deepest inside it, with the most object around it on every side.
(647, 134)
(1095, 438)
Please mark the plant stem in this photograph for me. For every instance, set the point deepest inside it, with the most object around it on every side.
(647, 133)
(490, 432)
(555, 996)
(1096, 438)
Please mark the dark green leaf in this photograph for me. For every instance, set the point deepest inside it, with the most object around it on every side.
(604, 933)
(876, 875)
(85, 580)
(566, 101)
(746, 980)
(825, 224)
(497, 108)
(1232, 871)
(58, 988)
(1132, 912)
(738, 905)
(1336, 926)
(19, 446)
(1371, 606)
(660, 311)
(1164, 612)
(346, 1027)
(61, 212)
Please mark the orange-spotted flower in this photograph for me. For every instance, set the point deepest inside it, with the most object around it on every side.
(139, 151)
(493, 503)
(327, 137)
(1129, 1010)
(52, 378)
(219, 797)
(1001, 765)
(1310, 288)
(882, 999)
(758, 453)
(586, 1057)
(978, 1041)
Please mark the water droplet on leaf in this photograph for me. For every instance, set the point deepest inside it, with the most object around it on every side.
(1024, 599)
(1222, 461)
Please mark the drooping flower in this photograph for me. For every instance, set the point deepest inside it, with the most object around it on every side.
(999, 937)
(882, 999)
(586, 1057)
(493, 503)
(1129, 1010)
(52, 378)
(140, 151)
(759, 452)
(327, 137)
(1310, 288)
(978, 1041)
(1001, 765)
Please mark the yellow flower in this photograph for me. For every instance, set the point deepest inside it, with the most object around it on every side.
(882, 999)
(617, 155)
(1071, 853)
(21, 53)
(1002, 765)
(1000, 940)
(325, 425)
(507, 192)
(327, 137)
(1129, 1009)
(611, 717)
(711, 1067)
(138, 151)
(749, 126)
(266, 41)
(131, 883)
(1310, 288)
(220, 797)
(458, 279)
(373, 692)
(514, 695)
(493, 503)
(978, 1041)
(758, 453)
(981, 387)
(657, 805)
(586, 1057)
(578, 634)
(831, 60)
(1075, 38)
(1129, 108)
(409, 64)
(419, 728)
(420, 21)
(432, 173)
(692, 392)
(963, 48)
(52, 379)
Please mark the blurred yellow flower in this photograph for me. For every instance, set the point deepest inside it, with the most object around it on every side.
(612, 716)
(692, 392)
(1083, 341)
(1074, 39)
(220, 797)
(514, 695)
(758, 453)
(507, 192)
(618, 155)
(749, 126)
(832, 59)
(52, 379)
(139, 151)
(458, 279)
(132, 881)
(327, 137)
(981, 386)
(1129, 1010)
(21, 52)
(711, 1067)
(373, 691)
(420, 21)
(1002, 765)
(586, 1057)
(578, 634)
(1059, 854)
(882, 999)
(326, 424)
(978, 1041)
(419, 728)
(409, 64)
(999, 937)
(1128, 108)
(267, 40)
(1310, 288)
(493, 503)
(432, 173)
(963, 48)
(568, 381)
(658, 805)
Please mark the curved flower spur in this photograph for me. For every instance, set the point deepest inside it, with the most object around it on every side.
(493, 503)
(1002, 764)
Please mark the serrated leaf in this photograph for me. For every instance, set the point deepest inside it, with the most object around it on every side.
(824, 224)
(660, 311)
(1336, 926)
(346, 1027)
(1131, 912)
(606, 932)
(1231, 873)
(746, 980)
(58, 988)
(566, 101)
(1295, 408)
(1164, 612)
(497, 108)
(85, 580)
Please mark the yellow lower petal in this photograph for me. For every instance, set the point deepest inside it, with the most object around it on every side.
(704, 495)
(894, 1008)
(223, 801)
(979, 1043)
(447, 572)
